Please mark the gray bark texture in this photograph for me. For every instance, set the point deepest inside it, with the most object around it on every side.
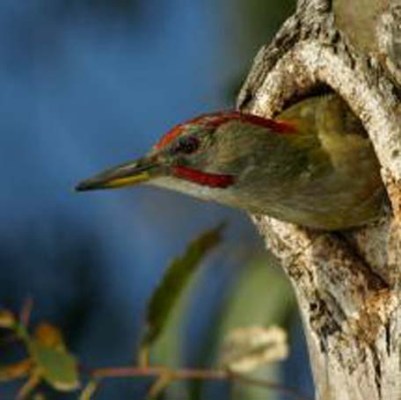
(348, 284)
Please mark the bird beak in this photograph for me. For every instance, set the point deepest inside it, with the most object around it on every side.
(128, 174)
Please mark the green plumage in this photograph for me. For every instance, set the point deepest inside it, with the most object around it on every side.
(313, 165)
(326, 175)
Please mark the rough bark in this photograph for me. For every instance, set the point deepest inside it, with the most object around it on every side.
(347, 283)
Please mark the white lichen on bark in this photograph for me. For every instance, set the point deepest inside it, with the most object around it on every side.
(348, 283)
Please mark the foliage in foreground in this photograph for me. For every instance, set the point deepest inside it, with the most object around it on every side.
(49, 361)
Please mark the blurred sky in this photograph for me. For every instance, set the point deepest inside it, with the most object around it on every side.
(87, 84)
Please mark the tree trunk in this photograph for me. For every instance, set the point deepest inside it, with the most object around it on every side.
(347, 283)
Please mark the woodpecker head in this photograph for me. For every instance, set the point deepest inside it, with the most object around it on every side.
(313, 166)
(208, 157)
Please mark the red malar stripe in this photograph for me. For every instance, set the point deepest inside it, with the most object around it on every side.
(204, 178)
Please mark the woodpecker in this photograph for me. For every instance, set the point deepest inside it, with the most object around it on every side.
(312, 165)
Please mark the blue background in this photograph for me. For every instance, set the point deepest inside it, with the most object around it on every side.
(85, 85)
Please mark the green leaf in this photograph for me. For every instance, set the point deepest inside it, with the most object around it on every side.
(174, 282)
(53, 362)
(260, 296)
(57, 367)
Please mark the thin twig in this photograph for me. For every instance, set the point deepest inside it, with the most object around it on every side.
(126, 372)
(188, 374)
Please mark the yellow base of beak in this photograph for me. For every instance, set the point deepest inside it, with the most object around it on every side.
(126, 181)
(114, 179)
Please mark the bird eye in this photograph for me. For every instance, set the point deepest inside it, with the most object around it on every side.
(186, 145)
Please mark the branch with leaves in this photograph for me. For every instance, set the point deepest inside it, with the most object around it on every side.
(49, 360)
